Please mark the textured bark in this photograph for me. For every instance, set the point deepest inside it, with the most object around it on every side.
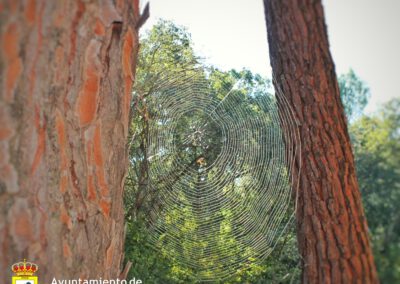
(332, 230)
(67, 69)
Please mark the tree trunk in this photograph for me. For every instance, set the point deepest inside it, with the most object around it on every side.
(67, 69)
(332, 230)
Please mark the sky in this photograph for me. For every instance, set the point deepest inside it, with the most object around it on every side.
(364, 35)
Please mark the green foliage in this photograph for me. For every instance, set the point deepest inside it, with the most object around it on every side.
(165, 51)
(283, 265)
(147, 264)
(354, 94)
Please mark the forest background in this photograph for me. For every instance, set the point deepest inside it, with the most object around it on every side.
(167, 49)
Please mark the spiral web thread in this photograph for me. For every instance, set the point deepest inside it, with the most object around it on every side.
(220, 165)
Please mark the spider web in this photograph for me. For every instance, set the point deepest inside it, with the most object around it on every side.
(219, 179)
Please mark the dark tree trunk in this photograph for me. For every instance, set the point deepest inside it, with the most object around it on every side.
(332, 229)
(67, 69)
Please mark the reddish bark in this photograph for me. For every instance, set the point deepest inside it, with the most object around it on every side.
(67, 69)
(332, 230)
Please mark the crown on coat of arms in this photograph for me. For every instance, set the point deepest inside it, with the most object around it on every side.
(24, 268)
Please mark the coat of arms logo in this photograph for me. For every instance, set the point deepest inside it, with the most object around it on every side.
(24, 273)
